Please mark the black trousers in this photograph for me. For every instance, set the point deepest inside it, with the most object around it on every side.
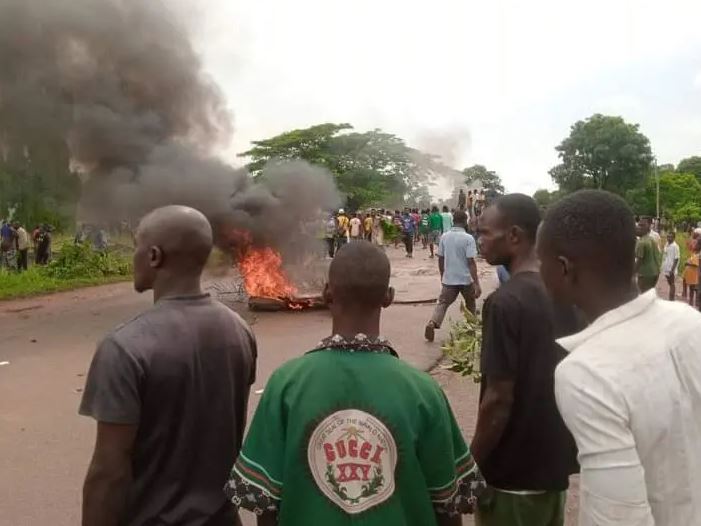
(22, 256)
(409, 243)
(331, 243)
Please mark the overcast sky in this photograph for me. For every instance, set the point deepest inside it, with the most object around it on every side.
(493, 82)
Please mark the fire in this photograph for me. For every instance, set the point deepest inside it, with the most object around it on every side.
(261, 269)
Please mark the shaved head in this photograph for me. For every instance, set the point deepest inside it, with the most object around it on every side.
(173, 239)
(359, 276)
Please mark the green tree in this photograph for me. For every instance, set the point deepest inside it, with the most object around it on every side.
(680, 197)
(34, 192)
(370, 168)
(489, 180)
(545, 198)
(310, 144)
(691, 165)
(603, 152)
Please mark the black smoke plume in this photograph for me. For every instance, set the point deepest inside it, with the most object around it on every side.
(119, 86)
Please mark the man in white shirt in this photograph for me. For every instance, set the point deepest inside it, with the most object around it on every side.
(630, 390)
(670, 264)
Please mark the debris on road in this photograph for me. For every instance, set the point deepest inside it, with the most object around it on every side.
(4, 363)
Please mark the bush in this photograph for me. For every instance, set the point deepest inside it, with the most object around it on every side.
(81, 261)
(464, 345)
(74, 266)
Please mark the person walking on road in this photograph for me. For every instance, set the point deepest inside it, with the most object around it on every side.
(462, 199)
(691, 275)
(343, 224)
(435, 226)
(647, 258)
(327, 447)
(521, 443)
(367, 226)
(423, 228)
(378, 231)
(408, 230)
(447, 219)
(630, 388)
(22, 247)
(670, 264)
(169, 390)
(458, 269)
(330, 232)
(356, 228)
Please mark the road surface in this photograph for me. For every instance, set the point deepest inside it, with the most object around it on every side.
(45, 446)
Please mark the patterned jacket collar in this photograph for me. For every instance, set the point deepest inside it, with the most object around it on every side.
(359, 343)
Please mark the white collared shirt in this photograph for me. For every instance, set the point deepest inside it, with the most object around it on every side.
(630, 393)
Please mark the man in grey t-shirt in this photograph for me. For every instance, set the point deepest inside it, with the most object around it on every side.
(169, 390)
(456, 262)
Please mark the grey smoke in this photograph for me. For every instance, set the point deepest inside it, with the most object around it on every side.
(118, 84)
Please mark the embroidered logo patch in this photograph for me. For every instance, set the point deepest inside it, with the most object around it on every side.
(352, 456)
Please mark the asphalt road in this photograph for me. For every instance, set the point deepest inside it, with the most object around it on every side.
(48, 341)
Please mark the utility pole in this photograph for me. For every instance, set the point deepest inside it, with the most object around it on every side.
(657, 187)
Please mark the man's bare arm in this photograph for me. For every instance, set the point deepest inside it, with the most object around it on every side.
(109, 475)
(472, 265)
(494, 412)
(441, 265)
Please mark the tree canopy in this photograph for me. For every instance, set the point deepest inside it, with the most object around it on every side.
(680, 197)
(545, 198)
(691, 165)
(488, 179)
(603, 152)
(370, 168)
(37, 186)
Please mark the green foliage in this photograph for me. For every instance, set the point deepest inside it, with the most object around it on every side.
(603, 152)
(390, 231)
(691, 165)
(464, 345)
(680, 197)
(73, 267)
(488, 179)
(38, 193)
(371, 169)
(310, 144)
(545, 198)
(74, 261)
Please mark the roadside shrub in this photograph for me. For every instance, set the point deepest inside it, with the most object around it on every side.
(81, 261)
(464, 345)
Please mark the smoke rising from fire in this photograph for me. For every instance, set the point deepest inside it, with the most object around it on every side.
(119, 85)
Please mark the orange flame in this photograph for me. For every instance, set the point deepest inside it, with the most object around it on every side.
(261, 269)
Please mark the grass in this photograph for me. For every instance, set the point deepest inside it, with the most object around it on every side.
(73, 266)
(35, 282)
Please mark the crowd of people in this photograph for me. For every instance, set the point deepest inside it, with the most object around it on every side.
(409, 226)
(655, 258)
(15, 243)
(582, 371)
